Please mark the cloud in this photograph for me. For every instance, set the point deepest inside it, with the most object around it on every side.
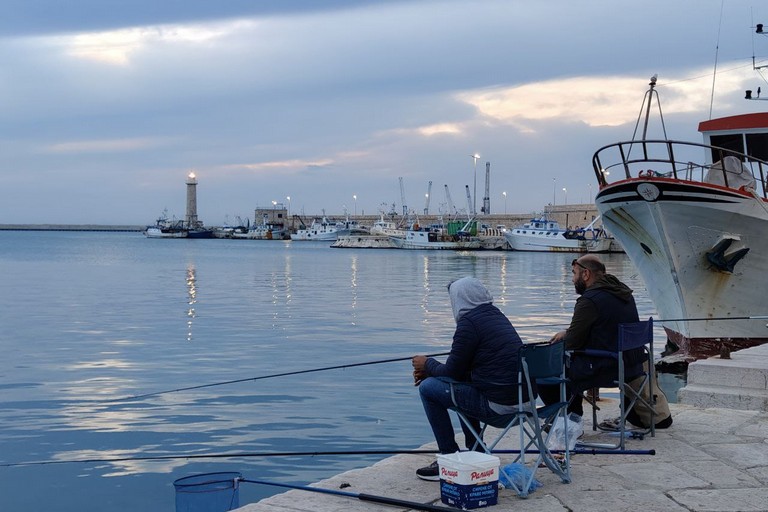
(105, 146)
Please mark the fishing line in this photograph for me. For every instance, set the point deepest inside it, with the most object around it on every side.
(381, 361)
(245, 455)
(248, 379)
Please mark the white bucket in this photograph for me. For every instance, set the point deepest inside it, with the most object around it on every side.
(469, 479)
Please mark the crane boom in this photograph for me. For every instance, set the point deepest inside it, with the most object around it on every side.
(402, 196)
(427, 198)
(451, 208)
(487, 199)
(470, 209)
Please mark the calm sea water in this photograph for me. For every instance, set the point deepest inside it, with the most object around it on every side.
(91, 317)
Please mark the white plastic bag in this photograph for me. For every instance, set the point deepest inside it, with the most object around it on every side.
(556, 437)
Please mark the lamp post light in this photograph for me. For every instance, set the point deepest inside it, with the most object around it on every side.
(355, 198)
(566, 195)
(505, 202)
(474, 197)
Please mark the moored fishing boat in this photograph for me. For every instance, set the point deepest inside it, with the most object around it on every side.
(542, 234)
(693, 218)
(173, 228)
(437, 236)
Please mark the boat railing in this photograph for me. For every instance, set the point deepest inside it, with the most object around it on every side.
(677, 160)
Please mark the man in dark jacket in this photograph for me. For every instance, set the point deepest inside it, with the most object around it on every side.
(604, 303)
(482, 368)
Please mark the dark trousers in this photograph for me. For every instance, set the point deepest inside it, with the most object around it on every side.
(550, 394)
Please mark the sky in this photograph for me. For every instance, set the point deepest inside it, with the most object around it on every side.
(106, 106)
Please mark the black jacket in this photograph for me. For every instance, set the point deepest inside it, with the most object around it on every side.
(485, 352)
(595, 325)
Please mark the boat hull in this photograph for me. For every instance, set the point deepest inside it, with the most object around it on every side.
(556, 243)
(667, 227)
(429, 240)
(154, 232)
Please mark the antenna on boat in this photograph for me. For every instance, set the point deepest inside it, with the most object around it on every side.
(646, 106)
(717, 51)
(748, 92)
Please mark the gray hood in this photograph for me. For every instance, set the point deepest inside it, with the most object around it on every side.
(466, 294)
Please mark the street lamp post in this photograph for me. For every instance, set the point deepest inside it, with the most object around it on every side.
(474, 198)
(505, 202)
(355, 198)
(590, 192)
(566, 195)
(554, 191)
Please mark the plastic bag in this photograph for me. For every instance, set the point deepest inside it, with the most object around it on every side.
(515, 476)
(556, 438)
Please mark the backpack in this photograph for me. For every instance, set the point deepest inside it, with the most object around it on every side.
(640, 414)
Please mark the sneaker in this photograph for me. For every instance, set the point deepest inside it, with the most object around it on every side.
(610, 425)
(430, 473)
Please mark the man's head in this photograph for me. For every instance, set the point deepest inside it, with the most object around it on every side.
(586, 270)
(466, 294)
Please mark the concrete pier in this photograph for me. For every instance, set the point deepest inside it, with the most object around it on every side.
(712, 459)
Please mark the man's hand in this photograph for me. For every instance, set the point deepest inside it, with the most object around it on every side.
(419, 369)
(557, 337)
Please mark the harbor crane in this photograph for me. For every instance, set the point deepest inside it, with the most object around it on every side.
(470, 209)
(486, 208)
(428, 196)
(402, 197)
(451, 208)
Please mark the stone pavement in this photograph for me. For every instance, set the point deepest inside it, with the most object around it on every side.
(714, 458)
(711, 459)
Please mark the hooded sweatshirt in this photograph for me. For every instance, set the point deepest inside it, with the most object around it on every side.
(485, 349)
(598, 313)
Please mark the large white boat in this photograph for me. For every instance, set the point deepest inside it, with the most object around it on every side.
(542, 234)
(693, 218)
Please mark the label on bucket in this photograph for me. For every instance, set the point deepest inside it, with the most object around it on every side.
(469, 496)
(468, 468)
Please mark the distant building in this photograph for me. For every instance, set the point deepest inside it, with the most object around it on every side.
(277, 213)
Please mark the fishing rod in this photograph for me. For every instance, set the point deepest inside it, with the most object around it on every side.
(245, 455)
(410, 505)
(261, 377)
(381, 361)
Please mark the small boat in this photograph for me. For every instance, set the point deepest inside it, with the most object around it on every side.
(493, 239)
(542, 234)
(693, 218)
(326, 230)
(437, 236)
(174, 228)
(387, 228)
(266, 231)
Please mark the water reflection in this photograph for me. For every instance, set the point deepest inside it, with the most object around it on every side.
(191, 298)
(269, 307)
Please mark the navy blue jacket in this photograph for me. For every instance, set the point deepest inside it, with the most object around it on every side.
(485, 352)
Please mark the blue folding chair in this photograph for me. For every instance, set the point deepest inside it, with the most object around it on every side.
(539, 362)
(634, 347)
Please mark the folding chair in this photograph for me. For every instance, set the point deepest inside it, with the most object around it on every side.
(543, 361)
(635, 341)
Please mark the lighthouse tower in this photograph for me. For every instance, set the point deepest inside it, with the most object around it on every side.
(192, 221)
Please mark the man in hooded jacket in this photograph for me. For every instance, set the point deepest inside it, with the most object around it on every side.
(482, 369)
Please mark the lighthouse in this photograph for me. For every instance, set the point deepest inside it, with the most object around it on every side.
(192, 222)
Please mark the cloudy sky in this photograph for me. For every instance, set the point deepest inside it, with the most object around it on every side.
(107, 105)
